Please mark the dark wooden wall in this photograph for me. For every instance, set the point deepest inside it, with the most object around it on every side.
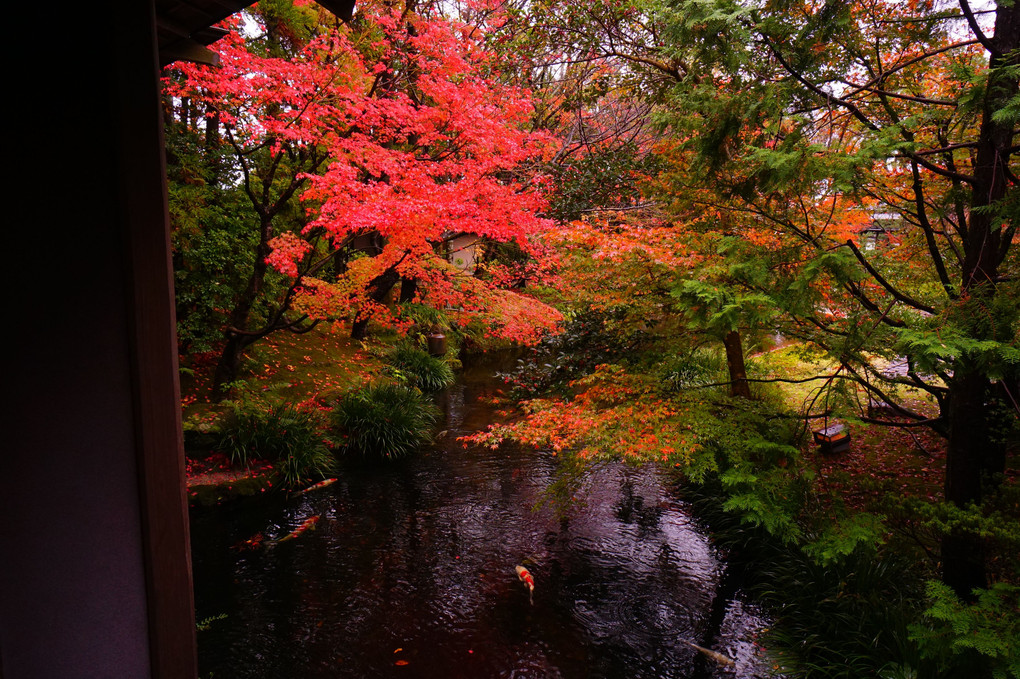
(94, 563)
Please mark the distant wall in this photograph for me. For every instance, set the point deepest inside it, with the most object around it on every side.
(464, 251)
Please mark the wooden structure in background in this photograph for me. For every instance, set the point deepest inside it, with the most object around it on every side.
(834, 438)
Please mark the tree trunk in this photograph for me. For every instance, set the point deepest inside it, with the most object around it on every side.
(377, 291)
(963, 566)
(229, 365)
(230, 358)
(969, 462)
(408, 289)
(359, 330)
(735, 362)
(212, 144)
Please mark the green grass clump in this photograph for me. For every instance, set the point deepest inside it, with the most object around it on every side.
(293, 438)
(421, 370)
(384, 420)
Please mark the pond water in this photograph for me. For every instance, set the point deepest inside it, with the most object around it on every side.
(410, 572)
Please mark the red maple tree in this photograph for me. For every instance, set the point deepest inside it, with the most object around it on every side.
(411, 140)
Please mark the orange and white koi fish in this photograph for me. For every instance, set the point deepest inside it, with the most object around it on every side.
(317, 486)
(525, 575)
(308, 524)
(718, 657)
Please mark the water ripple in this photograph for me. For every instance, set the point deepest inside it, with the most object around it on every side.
(410, 573)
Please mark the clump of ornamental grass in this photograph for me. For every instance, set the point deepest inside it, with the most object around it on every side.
(419, 369)
(849, 618)
(384, 420)
(293, 438)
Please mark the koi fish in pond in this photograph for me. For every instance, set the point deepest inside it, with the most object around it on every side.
(317, 486)
(307, 525)
(718, 657)
(525, 576)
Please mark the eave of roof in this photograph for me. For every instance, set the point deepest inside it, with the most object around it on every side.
(185, 27)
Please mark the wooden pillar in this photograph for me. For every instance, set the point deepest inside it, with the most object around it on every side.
(145, 223)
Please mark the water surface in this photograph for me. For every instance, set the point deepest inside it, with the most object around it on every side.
(410, 573)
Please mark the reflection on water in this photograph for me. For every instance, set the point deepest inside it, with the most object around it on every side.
(410, 573)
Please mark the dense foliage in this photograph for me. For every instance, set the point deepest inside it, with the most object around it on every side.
(837, 173)
(705, 178)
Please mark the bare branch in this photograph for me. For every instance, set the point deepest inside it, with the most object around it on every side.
(978, 33)
(947, 147)
(906, 299)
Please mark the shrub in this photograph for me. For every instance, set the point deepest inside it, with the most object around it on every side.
(588, 338)
(846, 618)
(384, 419)
(421, 370)
(694, 370)
(985, 633)
(293, 438)
(425, 317)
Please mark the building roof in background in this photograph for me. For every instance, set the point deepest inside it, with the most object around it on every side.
(185, 27)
